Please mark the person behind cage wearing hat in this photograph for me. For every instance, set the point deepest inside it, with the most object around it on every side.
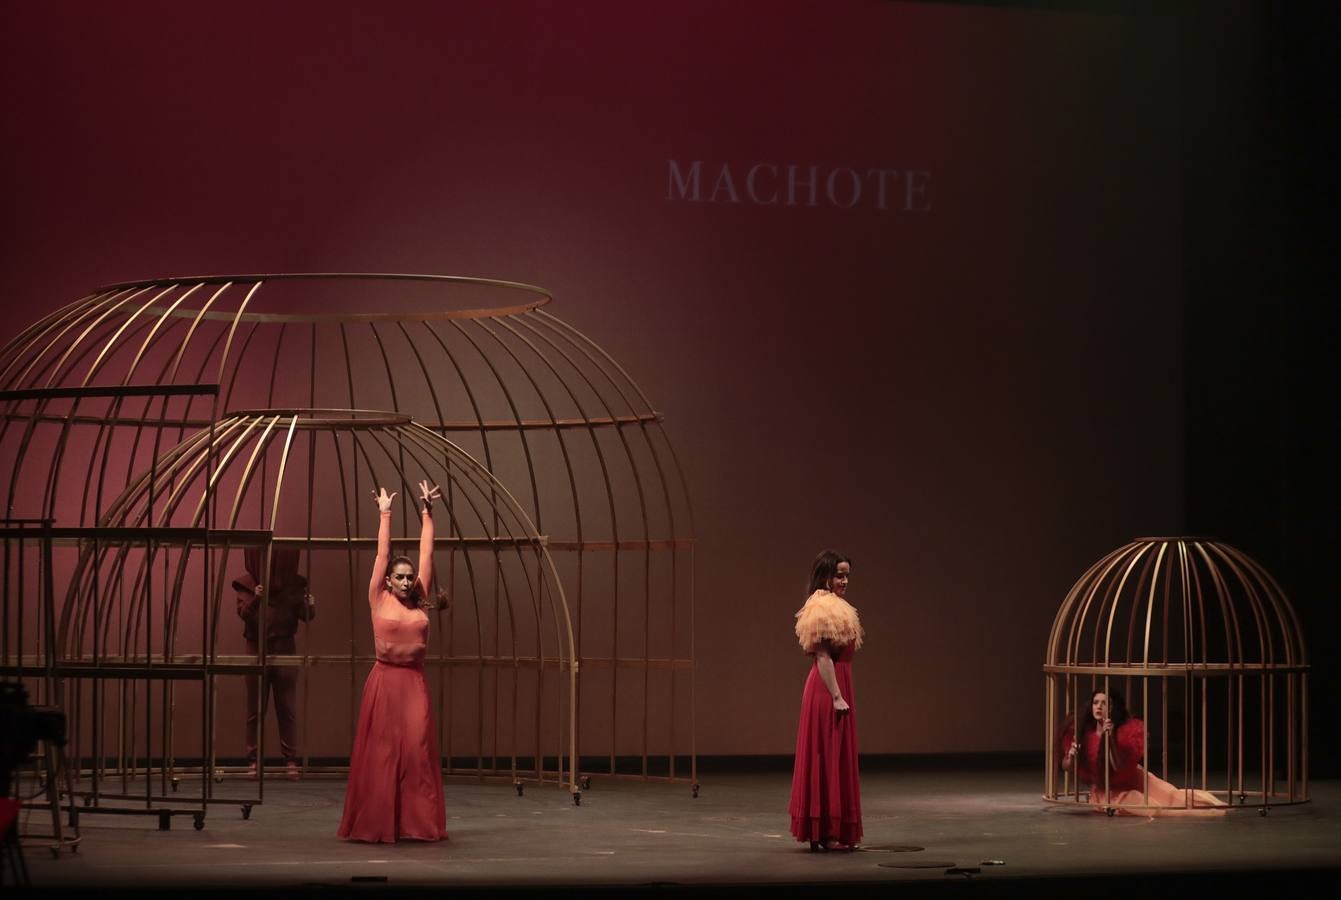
(288, 602)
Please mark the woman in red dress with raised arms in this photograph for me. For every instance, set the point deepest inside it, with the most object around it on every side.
(395, 772)
(826, 794)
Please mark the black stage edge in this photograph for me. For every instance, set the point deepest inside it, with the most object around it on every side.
(1189, 885)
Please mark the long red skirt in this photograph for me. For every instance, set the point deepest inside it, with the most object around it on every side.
(395, 772)
(826, 791)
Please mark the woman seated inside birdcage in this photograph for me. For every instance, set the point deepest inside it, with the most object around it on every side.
(1109, 732)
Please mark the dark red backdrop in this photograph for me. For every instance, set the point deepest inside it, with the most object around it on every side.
(975, 398)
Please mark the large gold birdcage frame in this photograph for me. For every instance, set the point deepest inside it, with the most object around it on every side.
(1209, 653)
(575, 457)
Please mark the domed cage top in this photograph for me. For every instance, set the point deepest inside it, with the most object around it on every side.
(1208, 652)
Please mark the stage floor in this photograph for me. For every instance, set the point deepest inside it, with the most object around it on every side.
(634, 838)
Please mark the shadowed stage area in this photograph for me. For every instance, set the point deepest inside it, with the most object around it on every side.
(634, 839)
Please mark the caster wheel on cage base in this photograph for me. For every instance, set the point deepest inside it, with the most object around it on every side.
(1263, 811)
(693, 789)
(577, 798)
(164, 821)
(246, 810)
(218, 776)
(1110, 811)
(88, 801)
(584, 782)
(175, 783)
(200, 821)
(521, 788)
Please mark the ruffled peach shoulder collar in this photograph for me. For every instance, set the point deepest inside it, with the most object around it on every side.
(828, 617)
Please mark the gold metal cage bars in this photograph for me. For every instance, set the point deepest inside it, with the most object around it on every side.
(154, 427)
(1209, 653)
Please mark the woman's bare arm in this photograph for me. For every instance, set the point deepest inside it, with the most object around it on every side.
(383, 544)
(427, 494)
(824, 655)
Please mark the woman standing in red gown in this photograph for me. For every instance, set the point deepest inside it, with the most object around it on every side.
(395, 772)
(826, 795)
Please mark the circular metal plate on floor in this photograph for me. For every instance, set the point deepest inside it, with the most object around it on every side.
(916, 863)
(891, 848)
